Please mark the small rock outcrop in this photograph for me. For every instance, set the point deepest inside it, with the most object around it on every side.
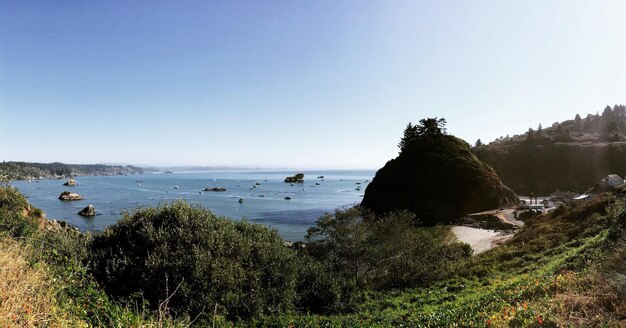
(296, 178)
(66, 195)
(214, 189)
(70, 182)
(59, 226)
(88, 211)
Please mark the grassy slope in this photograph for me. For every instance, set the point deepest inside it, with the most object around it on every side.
(539, 278)
(565, 269)
(28, 291)
(42, 280)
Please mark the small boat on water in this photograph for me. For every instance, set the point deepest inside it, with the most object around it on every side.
(175, 187)
(168, 172)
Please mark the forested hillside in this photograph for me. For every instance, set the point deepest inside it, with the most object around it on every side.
(571, 155)
(25, 170)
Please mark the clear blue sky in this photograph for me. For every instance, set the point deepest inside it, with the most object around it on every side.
(310, 84)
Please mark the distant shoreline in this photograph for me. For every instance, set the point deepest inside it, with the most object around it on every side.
(17, 171)
(39, 171)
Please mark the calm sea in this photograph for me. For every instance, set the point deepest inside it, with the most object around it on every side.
(264, 203)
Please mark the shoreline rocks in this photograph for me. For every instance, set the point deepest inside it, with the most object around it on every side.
(69, 196)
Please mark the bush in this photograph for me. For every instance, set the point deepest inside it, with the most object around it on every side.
(322, 290)
(386, 252)
(15, 217)
(199, 262)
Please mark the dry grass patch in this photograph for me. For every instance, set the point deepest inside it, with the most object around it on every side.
(27, 292)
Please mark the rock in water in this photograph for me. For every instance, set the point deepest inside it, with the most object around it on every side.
(88, 211)
(66, 195)
(70, 182)
(296, 178)
(438, 179)
(215, 189)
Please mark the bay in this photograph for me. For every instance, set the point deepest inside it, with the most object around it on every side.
(262, 192)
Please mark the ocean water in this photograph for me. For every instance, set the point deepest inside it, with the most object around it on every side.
(264, 204)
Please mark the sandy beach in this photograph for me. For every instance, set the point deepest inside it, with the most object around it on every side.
(481, 239)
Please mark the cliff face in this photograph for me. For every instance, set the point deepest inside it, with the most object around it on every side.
(439, 181)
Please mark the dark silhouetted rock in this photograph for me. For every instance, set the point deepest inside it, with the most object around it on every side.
(439, 179)
(215, 189)
(88, 211)
(296, 178)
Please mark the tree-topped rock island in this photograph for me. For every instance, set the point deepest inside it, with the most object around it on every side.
(296, 178)
(437, 177)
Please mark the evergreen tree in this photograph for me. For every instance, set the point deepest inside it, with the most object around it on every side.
(607, 112)
(426, 130)
(530, 135)
(409, 137)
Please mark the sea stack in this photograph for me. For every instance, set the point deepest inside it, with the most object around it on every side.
(70, 182)
(296, 178)
(66, 195)
(436, 177)
(88, 211)
(215, 189)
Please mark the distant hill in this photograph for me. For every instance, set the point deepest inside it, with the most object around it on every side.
(571, 155)
(437, 177)
(25, 170)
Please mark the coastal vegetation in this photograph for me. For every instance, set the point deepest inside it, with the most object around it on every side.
(179, 264)
(202, 264)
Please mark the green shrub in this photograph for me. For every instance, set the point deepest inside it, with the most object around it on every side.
(386, 252)
(321, 289)
(199, 262)
(15, 219)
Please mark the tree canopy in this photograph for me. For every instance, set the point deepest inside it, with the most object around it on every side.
(427, 129)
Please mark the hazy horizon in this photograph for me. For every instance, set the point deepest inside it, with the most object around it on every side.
(286, 84)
